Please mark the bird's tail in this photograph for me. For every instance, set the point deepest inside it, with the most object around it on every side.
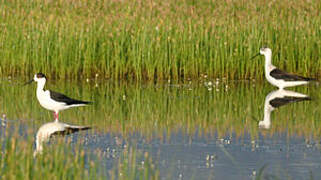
(83, 102)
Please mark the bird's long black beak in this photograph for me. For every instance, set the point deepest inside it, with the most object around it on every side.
(255, 56)
(28, 82)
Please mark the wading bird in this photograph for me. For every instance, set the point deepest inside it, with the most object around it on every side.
(52, 100)
(278, 77)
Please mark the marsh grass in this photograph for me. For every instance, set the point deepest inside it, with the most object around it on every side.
(145, 40)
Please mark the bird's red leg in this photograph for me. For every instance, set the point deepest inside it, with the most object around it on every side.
(56, 116)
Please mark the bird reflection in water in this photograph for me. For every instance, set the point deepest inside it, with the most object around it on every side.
(277, 99)
(55, 128)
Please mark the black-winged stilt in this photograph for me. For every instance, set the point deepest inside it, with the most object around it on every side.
(52, 100)
(276, 99)
(48, 130)
(278, 77)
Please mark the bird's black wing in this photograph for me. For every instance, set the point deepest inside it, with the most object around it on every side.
(64, 99)
(277, 102)
(279, 74)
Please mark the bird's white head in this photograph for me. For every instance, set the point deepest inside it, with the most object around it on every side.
(265, 51)
(40, 78)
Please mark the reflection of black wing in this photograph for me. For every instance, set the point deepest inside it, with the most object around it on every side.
(277, 102)
(70, 130)
(278, 74)
(64, 99)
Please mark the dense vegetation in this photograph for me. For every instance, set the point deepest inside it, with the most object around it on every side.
(159, 39)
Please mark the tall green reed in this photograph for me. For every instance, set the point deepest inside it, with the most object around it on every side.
(155, 40)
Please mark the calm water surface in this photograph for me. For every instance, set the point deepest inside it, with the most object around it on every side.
(193, 130)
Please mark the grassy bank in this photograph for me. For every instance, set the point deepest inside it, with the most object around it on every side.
(157, 39)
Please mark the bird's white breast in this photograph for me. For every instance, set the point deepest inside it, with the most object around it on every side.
(48, 103)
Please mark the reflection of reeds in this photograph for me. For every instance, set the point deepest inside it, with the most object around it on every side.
(154, 110)
(157, 39)
(57, 162)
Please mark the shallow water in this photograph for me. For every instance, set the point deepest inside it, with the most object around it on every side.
(192, 130)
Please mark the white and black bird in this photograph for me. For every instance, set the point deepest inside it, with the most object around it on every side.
(278, 77)
(276, 99)
(48, 130)
(52, 100)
